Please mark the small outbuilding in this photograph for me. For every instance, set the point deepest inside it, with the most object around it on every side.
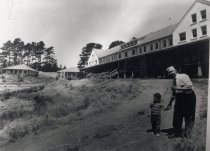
(69, 73)
(22, 69)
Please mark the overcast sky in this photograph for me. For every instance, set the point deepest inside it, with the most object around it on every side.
(69, 25)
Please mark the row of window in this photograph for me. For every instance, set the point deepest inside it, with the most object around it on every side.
(129, 44)
(182, 36)
(17, 71)
(203, 16)
(137, 50)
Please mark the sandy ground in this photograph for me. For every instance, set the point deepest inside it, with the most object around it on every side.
(122, 128)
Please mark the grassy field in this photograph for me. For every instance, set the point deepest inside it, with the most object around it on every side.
(95, 115)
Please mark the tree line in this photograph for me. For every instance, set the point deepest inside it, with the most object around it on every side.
(34, 54)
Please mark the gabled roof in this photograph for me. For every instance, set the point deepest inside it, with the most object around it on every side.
(196, 1)
(102, 53)
(20, 67)
(204, 2)
(110, 51)
(98, 52)
(164, 32)
(71, 69)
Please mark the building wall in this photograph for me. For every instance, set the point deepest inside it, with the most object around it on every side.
(137, 50)
(68, 75)
(93, 59)
(186, 24)
(21, 72)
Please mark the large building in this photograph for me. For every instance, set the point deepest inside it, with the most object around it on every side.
(184, 45)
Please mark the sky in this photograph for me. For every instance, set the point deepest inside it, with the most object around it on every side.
(68, 25)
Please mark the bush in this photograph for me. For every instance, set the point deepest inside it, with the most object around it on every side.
(41, 124)
(20, 78)
(40, 103)
(4, 80)
(87, 102)
(16, 133)
(3, 77)
(60, 110)
(11, 115)
(7, 96)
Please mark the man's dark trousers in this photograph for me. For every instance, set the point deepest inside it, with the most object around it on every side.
(184, 109)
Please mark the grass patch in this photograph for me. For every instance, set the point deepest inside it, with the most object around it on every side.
(13, 114)
(17, 132)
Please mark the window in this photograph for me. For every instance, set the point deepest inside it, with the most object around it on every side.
(151, 47)
(119, 55)
(203, 14)
(132, 43)
(139, 49)
(156, 45)
(204, 30)
(182, 36)
(126, 54)
(164, 43)
(133, 52)
(170, 42)
(194, 33)
(145, 48)
(194, 19)
(115, 56)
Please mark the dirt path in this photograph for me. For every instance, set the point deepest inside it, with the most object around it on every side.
(120, 129)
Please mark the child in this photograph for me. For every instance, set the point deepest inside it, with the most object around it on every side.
(155, 111)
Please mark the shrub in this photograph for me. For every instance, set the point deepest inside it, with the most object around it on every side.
(41, 123)
(87, 102)
(20, 78)
(7, 96)
(60, 110)
(17, 132)
(40, 103)
(4, 80)
(11, 115)
(3, 77)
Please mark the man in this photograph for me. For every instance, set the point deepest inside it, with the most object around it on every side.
(184, 108)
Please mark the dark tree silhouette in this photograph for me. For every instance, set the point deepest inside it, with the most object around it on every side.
(17, 52)
(86, 51)
(115, 43)
(7, 51)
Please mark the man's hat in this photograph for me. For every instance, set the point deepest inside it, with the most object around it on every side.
(170, 69)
